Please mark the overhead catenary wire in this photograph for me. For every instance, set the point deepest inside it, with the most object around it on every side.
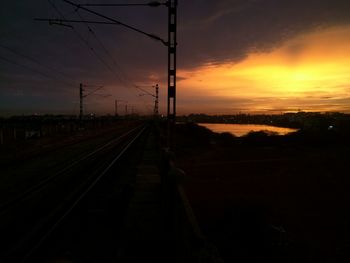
(86, 42)
(102, 46)
(118, 22)
(36, 61)
(114, 21)
(91, 92)
(87, 22)
(168, 43)
(121, 76)
(123, 79)
(57, 21)
(152, 4)
(36, 71)
(145, 91)
(118, 76)
(83, 40)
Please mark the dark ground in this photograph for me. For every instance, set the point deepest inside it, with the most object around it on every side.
(266, 198)
(91, 233)
(258, 198)
(24, 163)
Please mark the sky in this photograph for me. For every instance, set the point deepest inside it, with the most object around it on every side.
(253, 56)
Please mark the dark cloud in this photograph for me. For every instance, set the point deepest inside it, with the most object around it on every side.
(234, 28)
(209, 31)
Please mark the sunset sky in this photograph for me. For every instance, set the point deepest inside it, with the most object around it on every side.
(258, 56)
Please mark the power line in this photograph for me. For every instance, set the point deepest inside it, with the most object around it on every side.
(152, 4)
(91, 48)
(87, 22)
(121, 77)
(81, 38)
(57, 21)
(88, 45)
(35, 61)
(118, 22)
(123, 80)
(35, 70)
(100, 43)
(145, 91)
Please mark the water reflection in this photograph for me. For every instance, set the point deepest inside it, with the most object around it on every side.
(243, 129)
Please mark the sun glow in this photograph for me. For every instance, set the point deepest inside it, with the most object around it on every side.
(309, 72)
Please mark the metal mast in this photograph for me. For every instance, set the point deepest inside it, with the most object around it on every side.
(81, 101)
(171, 43)
(82, 96)
(172, 29)
(156, 101)
(116, 106)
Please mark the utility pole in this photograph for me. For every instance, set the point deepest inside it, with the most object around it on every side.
(81, 101)
(82, 96)
(156, 101)
(155, 96)
(116, 106)
(172, 30)
(171, 43)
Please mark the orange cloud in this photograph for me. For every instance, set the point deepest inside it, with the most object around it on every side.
(309, 72)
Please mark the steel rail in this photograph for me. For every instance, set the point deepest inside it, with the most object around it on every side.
(7, 205)
(81, 196)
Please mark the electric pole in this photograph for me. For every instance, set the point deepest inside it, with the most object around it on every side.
(155, 96)
(156, 101)
(81, 101)
(172, 30)
(116, 106)
(82, 96)
(171, 42)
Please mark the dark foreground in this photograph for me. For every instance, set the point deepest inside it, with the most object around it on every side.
(257, 198)
(269, 198)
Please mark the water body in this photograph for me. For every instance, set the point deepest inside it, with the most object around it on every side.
(243, 129)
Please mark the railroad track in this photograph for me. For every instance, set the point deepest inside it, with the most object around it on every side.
(10, 203)
(32, 216)
(21, 175)
(52, 146)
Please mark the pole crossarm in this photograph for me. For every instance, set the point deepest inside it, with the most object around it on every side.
(155, 96)
(82, 96)
(151, 4)
(57, 21)
(91, 92)
(148, 95)
(145, 91)
(117, 22)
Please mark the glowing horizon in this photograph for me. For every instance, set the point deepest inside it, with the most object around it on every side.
(310, 72)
